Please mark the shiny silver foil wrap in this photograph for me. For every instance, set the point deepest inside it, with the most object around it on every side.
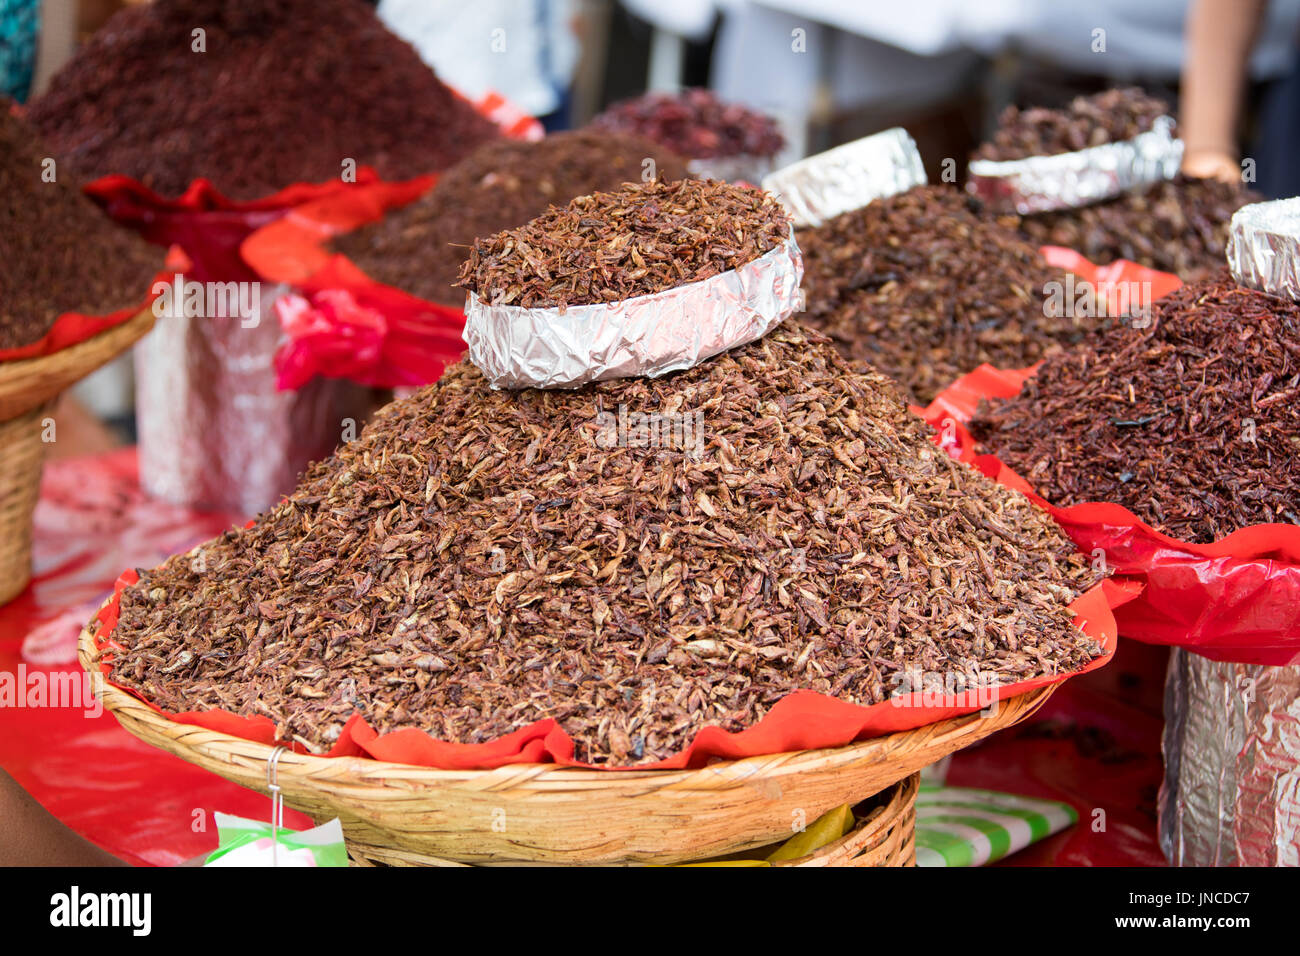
(1231, 793)
(649, 335)
(1080, 178)
(745, 168)
(1264, 247)
(214, 432)
(848, 177)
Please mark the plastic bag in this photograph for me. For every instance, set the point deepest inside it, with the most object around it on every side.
(340, 323)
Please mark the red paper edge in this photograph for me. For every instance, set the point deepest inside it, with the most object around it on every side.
(819, 721)
(73, 328)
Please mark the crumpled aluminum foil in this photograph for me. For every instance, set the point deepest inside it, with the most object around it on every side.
(848, 177)
(744, 168)
(1231, 793)
(214, 432)
(1080, 178)
(1264, 247)
(648, 335)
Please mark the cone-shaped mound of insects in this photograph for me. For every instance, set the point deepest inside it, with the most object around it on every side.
(636, 559)
(254, 96)
(925, 288)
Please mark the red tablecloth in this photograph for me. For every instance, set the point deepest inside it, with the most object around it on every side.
(1096, 744)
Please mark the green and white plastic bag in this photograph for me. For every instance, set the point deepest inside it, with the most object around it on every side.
(243, 842)
(961, 826)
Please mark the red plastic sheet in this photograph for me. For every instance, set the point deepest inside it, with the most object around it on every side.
(1096, 743)
(209, 226)
(1121, 271)
(803, 720)
(341, 323)
(367, 333)
(1236, 599)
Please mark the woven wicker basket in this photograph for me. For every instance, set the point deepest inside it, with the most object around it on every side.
(884, 836)
(543, 813)
(20, 486)
(28, 388)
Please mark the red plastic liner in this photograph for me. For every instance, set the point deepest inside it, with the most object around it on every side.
(1236, 599)
(803, 720)
(205, 223)
(343, 325)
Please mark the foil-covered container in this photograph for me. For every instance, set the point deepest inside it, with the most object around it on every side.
(848, 177)
(1264, 247)
(648, 335)
(743, 168)
(1080, 178)
(1231, 792)
(214, 432)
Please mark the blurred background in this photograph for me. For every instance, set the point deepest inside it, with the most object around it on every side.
(828, 70)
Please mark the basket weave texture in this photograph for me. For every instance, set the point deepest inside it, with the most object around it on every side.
(543, 813)
(22, 453)
(884, 837)
(28, 388)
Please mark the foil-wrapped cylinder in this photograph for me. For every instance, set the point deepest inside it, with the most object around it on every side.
(1080, 178)
(744, 168)
(848, 177)
(648, 335)
(214, 432)
(1264, 247)
(1231, 792)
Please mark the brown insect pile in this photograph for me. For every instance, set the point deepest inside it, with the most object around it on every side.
(641, 239)
(478, 560)
(696, 124)
(1179, 226)
(502, 184)
(1107, 117)
(926, 289)
(1192, 424)
(58, 252)
(282, 91)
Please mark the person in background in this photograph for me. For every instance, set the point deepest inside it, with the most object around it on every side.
(524, 50)
(30, 836)
(1221, 34)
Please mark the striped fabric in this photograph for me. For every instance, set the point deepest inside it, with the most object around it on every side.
(959, 826)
